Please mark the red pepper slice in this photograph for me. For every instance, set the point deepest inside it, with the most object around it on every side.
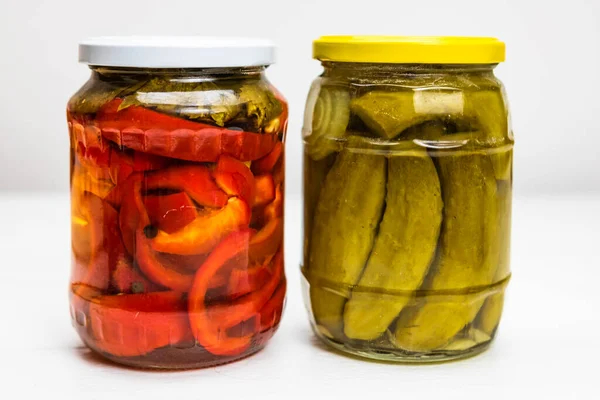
(265, 243)
(195, 180)
(232, 313)
(127, 279)
(235, 178)
(152, 132)
(267, 163)
(270, 314)
(105, 244)
(265, 190)
(146, 257)
(205, 232)
(129, 214)
(135, 324)
(275, 208)
(171, 212)
(247, 280)
(210, 322)
(122, 165)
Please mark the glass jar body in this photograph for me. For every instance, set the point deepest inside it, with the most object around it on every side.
(177, 180)
(407, 209)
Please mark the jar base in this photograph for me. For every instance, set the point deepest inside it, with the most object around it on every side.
(401, 356)
(170, 358)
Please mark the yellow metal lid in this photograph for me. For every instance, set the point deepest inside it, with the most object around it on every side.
(409, 49)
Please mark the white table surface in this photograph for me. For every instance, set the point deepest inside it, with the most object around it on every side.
(548, 344)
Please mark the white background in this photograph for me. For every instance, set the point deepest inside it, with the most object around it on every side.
(551, 72)
(548, 340)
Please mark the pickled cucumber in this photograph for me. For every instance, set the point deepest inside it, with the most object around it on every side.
(346, 218)
(467, 256)
(330, 116)
(315, 172)
(403, 249)
(388, 114)
(489, 316)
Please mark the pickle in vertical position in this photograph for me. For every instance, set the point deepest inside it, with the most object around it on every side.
(487, 111)
(403, 249)
(489, 316)
(315, 172)
(348, 211)
(467, 256)
(328, 116)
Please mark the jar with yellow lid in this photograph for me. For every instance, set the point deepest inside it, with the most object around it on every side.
(407, 196)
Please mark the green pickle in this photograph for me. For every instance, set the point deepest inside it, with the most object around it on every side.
(407, 213)
(330, 117)
(388, 114)
(403, 249)
(467, 256)
(488, 318)
(344, 226)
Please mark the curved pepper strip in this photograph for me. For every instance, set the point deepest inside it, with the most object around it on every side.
(105, 245)
(122, 165)
(270, 314)
(205, 232)
(235, 178)
(267, 163)
(148, 131)
(210, 322)
(264, 243)
(135, 324)
(275, 208)
(246, 280)
(265, 190)
(94, 152)
(129, 215)
(195, 180)
(171, 212)
(147, 259)
(230, 314)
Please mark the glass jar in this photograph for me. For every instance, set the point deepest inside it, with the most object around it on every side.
(407, 196)
(177, 182)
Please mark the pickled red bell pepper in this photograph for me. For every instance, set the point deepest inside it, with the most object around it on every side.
(206, 231)
(270, 314)
(126, 278)
(265, 190)
(210, 322)
(235, 178)
(122, 165)
(135, 324)
(195, 180)
(148, 131)
(275, 208)
(93, 151)
(267, 163)
(171, 212)
(265, 243)
(105, 244)
(129, 213)
(146, 257)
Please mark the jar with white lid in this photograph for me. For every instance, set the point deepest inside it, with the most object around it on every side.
(177, 182)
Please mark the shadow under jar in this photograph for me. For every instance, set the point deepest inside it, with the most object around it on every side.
(177, 182)
(407, 196)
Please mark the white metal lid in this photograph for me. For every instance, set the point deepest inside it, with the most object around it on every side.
(176, 52)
